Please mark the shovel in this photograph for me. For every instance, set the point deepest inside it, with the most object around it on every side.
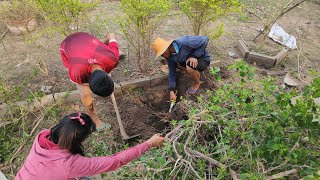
(123, 133)
(172, 103)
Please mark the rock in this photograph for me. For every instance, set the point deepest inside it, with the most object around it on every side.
(264, 72)
(261, 60)
(290, 81)
(164, 69)
(216, 63)
(231, 54)
(18, 65)
(46, 89)
(243, 49)
(281, 55)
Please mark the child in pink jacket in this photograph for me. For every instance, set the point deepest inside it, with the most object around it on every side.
(58, 154)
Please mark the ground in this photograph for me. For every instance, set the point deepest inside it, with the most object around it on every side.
(32, 62)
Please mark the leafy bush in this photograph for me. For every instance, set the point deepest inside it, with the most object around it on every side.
(140, 20)
(65, 15)
(246, 128)
(201, 12)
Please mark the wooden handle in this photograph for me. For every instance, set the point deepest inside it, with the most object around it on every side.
(123, 133)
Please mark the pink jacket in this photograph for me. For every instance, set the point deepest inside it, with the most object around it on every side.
(61, 164)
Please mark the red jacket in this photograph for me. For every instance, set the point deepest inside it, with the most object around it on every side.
(80, 50)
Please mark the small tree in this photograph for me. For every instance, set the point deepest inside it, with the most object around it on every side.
(141, 18)
(64, 15)
(201, 12)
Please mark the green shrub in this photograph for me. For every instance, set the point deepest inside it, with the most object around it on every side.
(248, 126)
(65, 15)
(201, 12)
(141, 18)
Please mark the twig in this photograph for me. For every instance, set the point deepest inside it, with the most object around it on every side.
(284, 11)
(242, 38)
(209, 159)
(16, 153)
(173, 130)
(282, 174)
(233, 174)
(5, 166)
(300, 68)
(174, 143)
(191, 167)
(175, 166)
(4, 34)
(251, 12)
(187, 142)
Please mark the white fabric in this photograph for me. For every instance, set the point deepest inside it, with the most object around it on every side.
(113, 40)
(279, 35)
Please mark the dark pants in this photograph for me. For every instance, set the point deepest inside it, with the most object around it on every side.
(202, 65)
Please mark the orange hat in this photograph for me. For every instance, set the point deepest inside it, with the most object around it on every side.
(160, 46)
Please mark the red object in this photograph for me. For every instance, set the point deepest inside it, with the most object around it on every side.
(45, 143)
(80, 50)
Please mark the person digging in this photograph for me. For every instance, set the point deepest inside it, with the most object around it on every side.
(89, 63)
(188, 52)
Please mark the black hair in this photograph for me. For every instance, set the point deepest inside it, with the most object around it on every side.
(100, 83)
(69, 133)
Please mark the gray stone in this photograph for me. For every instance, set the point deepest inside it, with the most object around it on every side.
(261, 60)
(281, 55)
(117, 89)
(216, 63)
(243, 49)
(231, 54)
(158, 80)
(142, 82)
(67, 96)
(46, 89)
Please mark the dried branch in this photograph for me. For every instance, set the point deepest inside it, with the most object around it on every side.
(173, 130)
(191, 167)
(282, 174)
(285, 10)
(233, 174)
(4, 34)
(17, 152)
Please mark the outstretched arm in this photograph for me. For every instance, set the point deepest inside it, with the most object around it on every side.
(83, 166)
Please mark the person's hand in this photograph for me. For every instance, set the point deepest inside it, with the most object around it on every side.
(173, 96)
(193, 62)
(156, 140)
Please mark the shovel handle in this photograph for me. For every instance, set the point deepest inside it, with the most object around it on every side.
(122, 131)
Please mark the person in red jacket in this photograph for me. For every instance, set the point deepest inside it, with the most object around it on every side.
(89, 62)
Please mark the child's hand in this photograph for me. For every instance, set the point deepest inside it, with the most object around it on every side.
(156, 140)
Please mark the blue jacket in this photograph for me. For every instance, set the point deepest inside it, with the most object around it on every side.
(186, 47)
